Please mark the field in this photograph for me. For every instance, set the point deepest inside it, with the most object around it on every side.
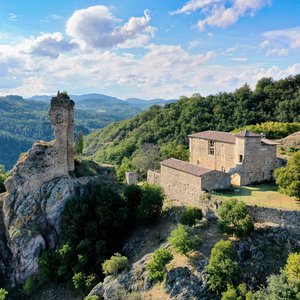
(265, 195)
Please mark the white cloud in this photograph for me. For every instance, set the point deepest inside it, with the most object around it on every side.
(12, 17)
(47, 44)
(194, 44)
(239, 59)
(194, 5)
(281, 42)
(221, 13)
(96, 27)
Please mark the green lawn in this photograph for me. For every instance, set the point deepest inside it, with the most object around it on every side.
(265, 194)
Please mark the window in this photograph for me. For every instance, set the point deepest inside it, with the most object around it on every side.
(222, 169)
(211, 147)
(241, 158)
(198, 162)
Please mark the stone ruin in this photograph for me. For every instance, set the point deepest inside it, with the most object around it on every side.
(48, 160)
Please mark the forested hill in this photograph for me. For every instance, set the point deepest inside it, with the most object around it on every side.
(169, 126)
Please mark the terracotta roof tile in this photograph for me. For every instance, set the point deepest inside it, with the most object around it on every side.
(221, 136)
(185, 167)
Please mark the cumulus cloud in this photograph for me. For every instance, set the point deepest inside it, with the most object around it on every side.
(221, 13)
(281, 42)
(47, 44)
(96, 27)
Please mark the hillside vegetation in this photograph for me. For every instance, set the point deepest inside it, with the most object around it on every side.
(168, 126)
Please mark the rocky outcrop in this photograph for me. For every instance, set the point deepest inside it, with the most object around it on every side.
(32, 221)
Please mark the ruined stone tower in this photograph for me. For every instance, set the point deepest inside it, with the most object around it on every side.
(61, 116)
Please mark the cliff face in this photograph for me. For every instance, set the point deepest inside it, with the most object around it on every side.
(37, 191)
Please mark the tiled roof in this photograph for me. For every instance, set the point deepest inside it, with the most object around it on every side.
(269, 142)
(215, 135)
(247, 133)
(185, 167)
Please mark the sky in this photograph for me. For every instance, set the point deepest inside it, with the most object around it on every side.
(146, 49)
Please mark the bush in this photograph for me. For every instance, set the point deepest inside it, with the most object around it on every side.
(83, 283)
(29, 286)
(133, 197)
(93, 297)
(151, 202)
(234, 218)
(222, 267)
(288, 178)
(292, 268)
(3, 294)
(157, 265)
(191, 215)
(183, 240)
(115, 264)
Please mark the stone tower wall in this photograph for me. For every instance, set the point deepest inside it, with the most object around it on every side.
(62, 120)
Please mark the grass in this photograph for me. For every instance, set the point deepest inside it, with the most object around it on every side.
(265, 194)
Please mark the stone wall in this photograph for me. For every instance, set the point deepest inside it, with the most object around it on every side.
(224, 154)
(284, 218)
(215, 180)
(180, 186)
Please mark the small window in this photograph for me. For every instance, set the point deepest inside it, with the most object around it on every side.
(222, 169)
(241, 158)
(198, 162)
(211, 147)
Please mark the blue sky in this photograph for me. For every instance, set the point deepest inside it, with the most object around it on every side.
(148, 49)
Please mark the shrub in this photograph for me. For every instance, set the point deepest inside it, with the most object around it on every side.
(115, 264)
(151, 202)
(234, 218)
(191, 215)
(82, 282)
(29, 286)
(288, 178)
(292, 268)
(3, 294)
(222, 267)
(93, 297)
(157, 265)
(183, 240)
(133, 197)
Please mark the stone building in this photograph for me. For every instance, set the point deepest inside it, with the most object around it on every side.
(217, 160)
(246, 156)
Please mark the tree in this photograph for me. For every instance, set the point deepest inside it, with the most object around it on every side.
(292, 268)
(157, 266)
(126, 165)
(288, 178)
(115, 264)
(234, 218)
(151, 202)
(183, 240)
(222, 267)
(191, 215)
(3, 177)
(82, 282)
(146, 158)
(79, 144)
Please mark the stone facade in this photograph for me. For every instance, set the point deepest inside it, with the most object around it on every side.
(246, 156)
(62, 119)
(187, 184)
(131, 178)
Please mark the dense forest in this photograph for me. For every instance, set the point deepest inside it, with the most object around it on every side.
(167, 127)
